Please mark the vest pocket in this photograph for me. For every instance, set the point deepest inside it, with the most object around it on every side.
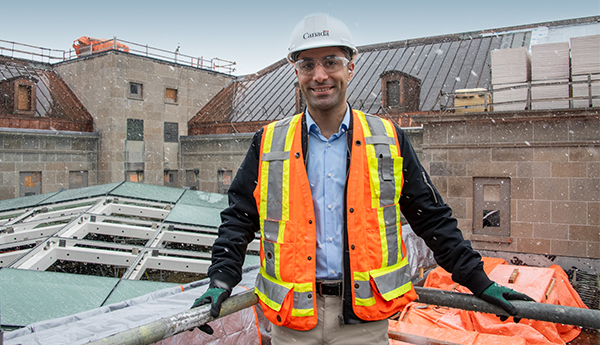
(283, 304)
(392, 281)
(387, 283)
(271, 291)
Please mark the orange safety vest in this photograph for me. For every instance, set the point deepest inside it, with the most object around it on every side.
(380, 273)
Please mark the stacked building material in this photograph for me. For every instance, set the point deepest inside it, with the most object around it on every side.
(550, 66)
(511, 71)
(585, 67)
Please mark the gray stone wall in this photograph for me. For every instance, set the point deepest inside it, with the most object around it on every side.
(209, 153)
(101, 82)
(54, 154)
(552, 160)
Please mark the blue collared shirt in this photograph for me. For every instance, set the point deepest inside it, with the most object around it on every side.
(326, 169)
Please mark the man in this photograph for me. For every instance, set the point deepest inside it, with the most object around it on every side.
(325, 189)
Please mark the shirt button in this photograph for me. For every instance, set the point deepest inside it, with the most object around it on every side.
(329, 207)
(329, 175)
(330, 239)
(329, 144)
(332, 272)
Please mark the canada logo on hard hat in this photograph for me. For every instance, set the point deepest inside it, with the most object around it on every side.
(315, 34)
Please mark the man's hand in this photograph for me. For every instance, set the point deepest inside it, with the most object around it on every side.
(214, 296)
(500, 296)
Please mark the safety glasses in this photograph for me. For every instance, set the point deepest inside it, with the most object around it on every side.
(330, 64)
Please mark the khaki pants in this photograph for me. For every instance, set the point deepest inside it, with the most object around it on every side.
(328, 330)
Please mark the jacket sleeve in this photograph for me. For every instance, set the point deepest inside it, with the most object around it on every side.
(432, 220)
(239, 222)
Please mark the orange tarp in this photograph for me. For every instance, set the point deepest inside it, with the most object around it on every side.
(97, 45)
(451, 335)
(533, 281)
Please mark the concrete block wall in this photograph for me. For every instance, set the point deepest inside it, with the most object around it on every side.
(209, 153)
(101, 82)
(552, 161)
(54, 154)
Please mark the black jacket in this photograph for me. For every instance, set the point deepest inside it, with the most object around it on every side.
(420, 203)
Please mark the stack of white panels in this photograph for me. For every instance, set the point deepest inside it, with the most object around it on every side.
(585, 59)
(550, 64)
(510, 68)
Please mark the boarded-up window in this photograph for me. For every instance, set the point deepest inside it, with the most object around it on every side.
(171, 132)
(24, 100)
(224, 178)
(191, 179)
(78, 179)
(135, 176)
(30, 183)
(393, 93)
(171, 178)
(170, 95)
(135, 129)
(135, 90)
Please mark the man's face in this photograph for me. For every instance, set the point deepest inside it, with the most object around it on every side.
(324, 90)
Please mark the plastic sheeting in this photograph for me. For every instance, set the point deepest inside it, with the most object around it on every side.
(105, 321)
(417, 252)
(532, 281)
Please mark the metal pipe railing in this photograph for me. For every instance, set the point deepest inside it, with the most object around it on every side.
(188, 320)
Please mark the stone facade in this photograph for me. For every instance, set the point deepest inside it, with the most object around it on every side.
(60, 158)
(204, 155)
(210, 153)
(550, 159)
(103, 84)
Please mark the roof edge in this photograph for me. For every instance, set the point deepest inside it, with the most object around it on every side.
(471, 34)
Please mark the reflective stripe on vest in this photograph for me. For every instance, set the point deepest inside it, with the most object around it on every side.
(274, 203)
(384, 164)
(392, 276)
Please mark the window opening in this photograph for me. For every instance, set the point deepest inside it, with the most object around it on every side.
(135, 90)
(393, 93)
(24, 97)
(171, 130)
(135, 176)
(135, 129)
(491, 206)
(78, 179)
(170, 95)
(224, 180)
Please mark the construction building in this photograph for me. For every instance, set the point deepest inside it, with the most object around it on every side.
(506, 122)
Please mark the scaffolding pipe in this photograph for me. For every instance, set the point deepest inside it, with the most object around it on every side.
(188, 320)
(589, 318)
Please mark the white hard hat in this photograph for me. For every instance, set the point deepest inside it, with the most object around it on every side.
(318, 31)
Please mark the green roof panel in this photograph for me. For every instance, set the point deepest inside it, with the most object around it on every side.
(31, 296)
(24, 202)
(199, 198)
(148, 192)
(48, 295)
(82, 193)
(128, 289)
(195, 215)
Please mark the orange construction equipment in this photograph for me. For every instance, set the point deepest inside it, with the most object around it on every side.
(85, 45)
(545, 285)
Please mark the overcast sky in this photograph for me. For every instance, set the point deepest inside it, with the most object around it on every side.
(256, 34)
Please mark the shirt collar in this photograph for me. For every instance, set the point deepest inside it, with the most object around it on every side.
(313, 127)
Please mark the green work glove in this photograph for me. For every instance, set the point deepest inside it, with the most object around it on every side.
(215, 296)
(500, 296)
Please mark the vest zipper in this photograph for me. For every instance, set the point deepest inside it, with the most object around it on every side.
(430, 187)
